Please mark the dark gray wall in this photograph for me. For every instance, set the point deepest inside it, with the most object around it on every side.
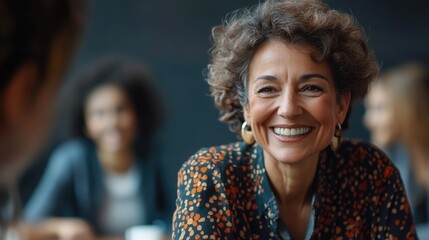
(172, 37)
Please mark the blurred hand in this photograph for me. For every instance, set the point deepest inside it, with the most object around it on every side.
(72, 229)
(58, 229)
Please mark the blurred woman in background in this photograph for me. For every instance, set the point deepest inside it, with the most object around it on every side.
(107, 174)
(397, 116)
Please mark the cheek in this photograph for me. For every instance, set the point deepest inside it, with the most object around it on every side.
(93, 127)
(128, 120)
(324, 110)
(127, 123)
(260, 111)
(383, 121)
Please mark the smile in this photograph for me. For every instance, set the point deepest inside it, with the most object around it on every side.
(291, 132)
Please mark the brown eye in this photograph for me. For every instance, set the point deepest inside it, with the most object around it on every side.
(312, 88)
(98, 112)
(267, 90)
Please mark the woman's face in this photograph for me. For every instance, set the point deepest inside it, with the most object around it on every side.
(110, 118)
(379, 117)
(293, 107)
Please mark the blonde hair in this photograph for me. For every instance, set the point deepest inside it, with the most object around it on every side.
(408, 86)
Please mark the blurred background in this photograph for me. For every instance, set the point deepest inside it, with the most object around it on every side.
(173, 39)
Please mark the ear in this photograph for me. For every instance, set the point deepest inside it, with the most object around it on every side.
(343, 106)
(17, 95)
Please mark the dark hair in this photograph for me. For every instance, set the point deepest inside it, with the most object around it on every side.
(28, 28)
(128, 74)
(335, 36)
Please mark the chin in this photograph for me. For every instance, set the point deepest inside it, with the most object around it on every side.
(294, 156)
(290, 157)
(290, 161)
(113, 149)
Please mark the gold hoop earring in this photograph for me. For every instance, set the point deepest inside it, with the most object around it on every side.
(246, 134)
(336, 139)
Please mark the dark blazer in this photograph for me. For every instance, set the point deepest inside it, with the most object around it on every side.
(72, 186)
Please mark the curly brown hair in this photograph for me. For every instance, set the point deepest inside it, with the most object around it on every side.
(336, 37)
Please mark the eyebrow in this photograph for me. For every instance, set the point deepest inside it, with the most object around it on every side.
(313, 75)
(266, 77)
(303, 77)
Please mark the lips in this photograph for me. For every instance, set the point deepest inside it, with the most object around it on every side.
(292, 132)
(112, 137)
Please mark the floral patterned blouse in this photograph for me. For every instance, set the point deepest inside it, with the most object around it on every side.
(224, 193)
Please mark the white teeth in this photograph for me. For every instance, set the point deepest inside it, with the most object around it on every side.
(289, 132)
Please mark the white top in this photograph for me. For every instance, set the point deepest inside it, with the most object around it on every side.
(122, 207)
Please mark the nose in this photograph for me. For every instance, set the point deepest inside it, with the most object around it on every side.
(368, 118)
(289, 105)
(111, 119)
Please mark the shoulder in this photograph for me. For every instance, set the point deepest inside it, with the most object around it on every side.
(207, 193)
(74, 150)
(219, 161)
(362, 161)
(356, 153)
(220, 156)
(362, 183)
(73, 145)
(68, 158)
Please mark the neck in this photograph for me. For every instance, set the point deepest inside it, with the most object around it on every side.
(119, 162)
(292, 183)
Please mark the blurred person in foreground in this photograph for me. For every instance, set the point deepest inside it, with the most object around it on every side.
(287, 72)
(107, 172)
(36, 44)
(397, 115)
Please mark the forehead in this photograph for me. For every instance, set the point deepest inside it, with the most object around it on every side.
(377, 94)
(276, 57)
(106, 95)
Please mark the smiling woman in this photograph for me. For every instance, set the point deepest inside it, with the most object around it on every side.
(107, 175)
(110, 120)
(287, 72)
(291, 93)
